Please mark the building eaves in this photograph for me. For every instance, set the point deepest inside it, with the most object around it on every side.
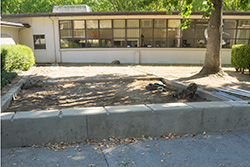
(111, 13)
(12, 24)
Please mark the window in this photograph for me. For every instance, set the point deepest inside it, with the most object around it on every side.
(188, 39)
(146, 33)
(106, 33)
(133, 33)
(66, 36)
(79, 34)
(119, 33)
(228, 33)
(158, 33)
(92, 33)
(174, 33)
(39, 42)
(243, 32)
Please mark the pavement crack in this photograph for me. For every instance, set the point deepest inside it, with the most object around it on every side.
(104, 156)
(87, 127)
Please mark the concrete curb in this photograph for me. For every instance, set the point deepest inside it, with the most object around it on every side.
(69, 125)
(12, 93)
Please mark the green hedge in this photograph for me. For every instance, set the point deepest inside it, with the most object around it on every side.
(241, 57)
(16, 57)
(7, 76)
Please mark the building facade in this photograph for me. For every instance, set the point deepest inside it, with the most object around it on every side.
(131, 37)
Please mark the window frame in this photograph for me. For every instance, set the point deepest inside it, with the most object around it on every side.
(164, 42)
(40, 44)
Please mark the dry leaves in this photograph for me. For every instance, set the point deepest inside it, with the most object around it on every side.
(110, 142)
(113, 141)
(59, 146)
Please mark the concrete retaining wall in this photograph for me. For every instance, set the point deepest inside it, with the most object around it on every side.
(69, 125)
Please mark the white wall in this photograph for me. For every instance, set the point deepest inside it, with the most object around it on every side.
(99, 55)
(44, 26)
(39, 26)
(11, 31)
(140, 55)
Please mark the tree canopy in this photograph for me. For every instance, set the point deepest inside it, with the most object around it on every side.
(46, 6)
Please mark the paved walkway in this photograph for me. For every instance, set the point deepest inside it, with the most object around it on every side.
(223, 149)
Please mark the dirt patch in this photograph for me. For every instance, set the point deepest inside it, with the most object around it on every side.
(75, 94)
(92, 94)
(189, 74)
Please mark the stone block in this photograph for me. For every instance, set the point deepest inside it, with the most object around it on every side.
(238, 103)
(7, 116)
(203, 105)
(168, 106)
(127, 108)
(221, 116)
(36, 114)
(83, 111)
(123, 121)
(176, 118)
(40, 127)
(134, 121)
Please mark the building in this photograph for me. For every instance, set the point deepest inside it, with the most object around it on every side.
(70, 36)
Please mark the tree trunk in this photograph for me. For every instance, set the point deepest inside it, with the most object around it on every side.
(212, 62)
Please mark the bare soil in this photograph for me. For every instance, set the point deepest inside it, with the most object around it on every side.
(82, 86)
(77, 94)
(189, 74)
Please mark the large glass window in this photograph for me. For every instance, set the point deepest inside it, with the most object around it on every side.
(119, 42)
(92, 24)
(119, 23)
(79, 34)
(160, 23)
(228, 33)
(201, 35)
(174, 33)
(106, 33)
(146, 33)
(132, 35)
(160, 33)
(132, 23)
(66, 35)
(119, 33)
(188, 36)
(244, 24)
(243, 32)
(92, 33)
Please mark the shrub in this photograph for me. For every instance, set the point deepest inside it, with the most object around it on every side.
(16, 57)
(240, 57)
(7, 76)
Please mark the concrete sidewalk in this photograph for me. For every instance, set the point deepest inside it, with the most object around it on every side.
(222, 149)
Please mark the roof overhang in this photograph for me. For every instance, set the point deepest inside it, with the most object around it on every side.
(114, 14)
(15, 25)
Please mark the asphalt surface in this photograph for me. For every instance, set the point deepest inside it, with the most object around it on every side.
(202, 150)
